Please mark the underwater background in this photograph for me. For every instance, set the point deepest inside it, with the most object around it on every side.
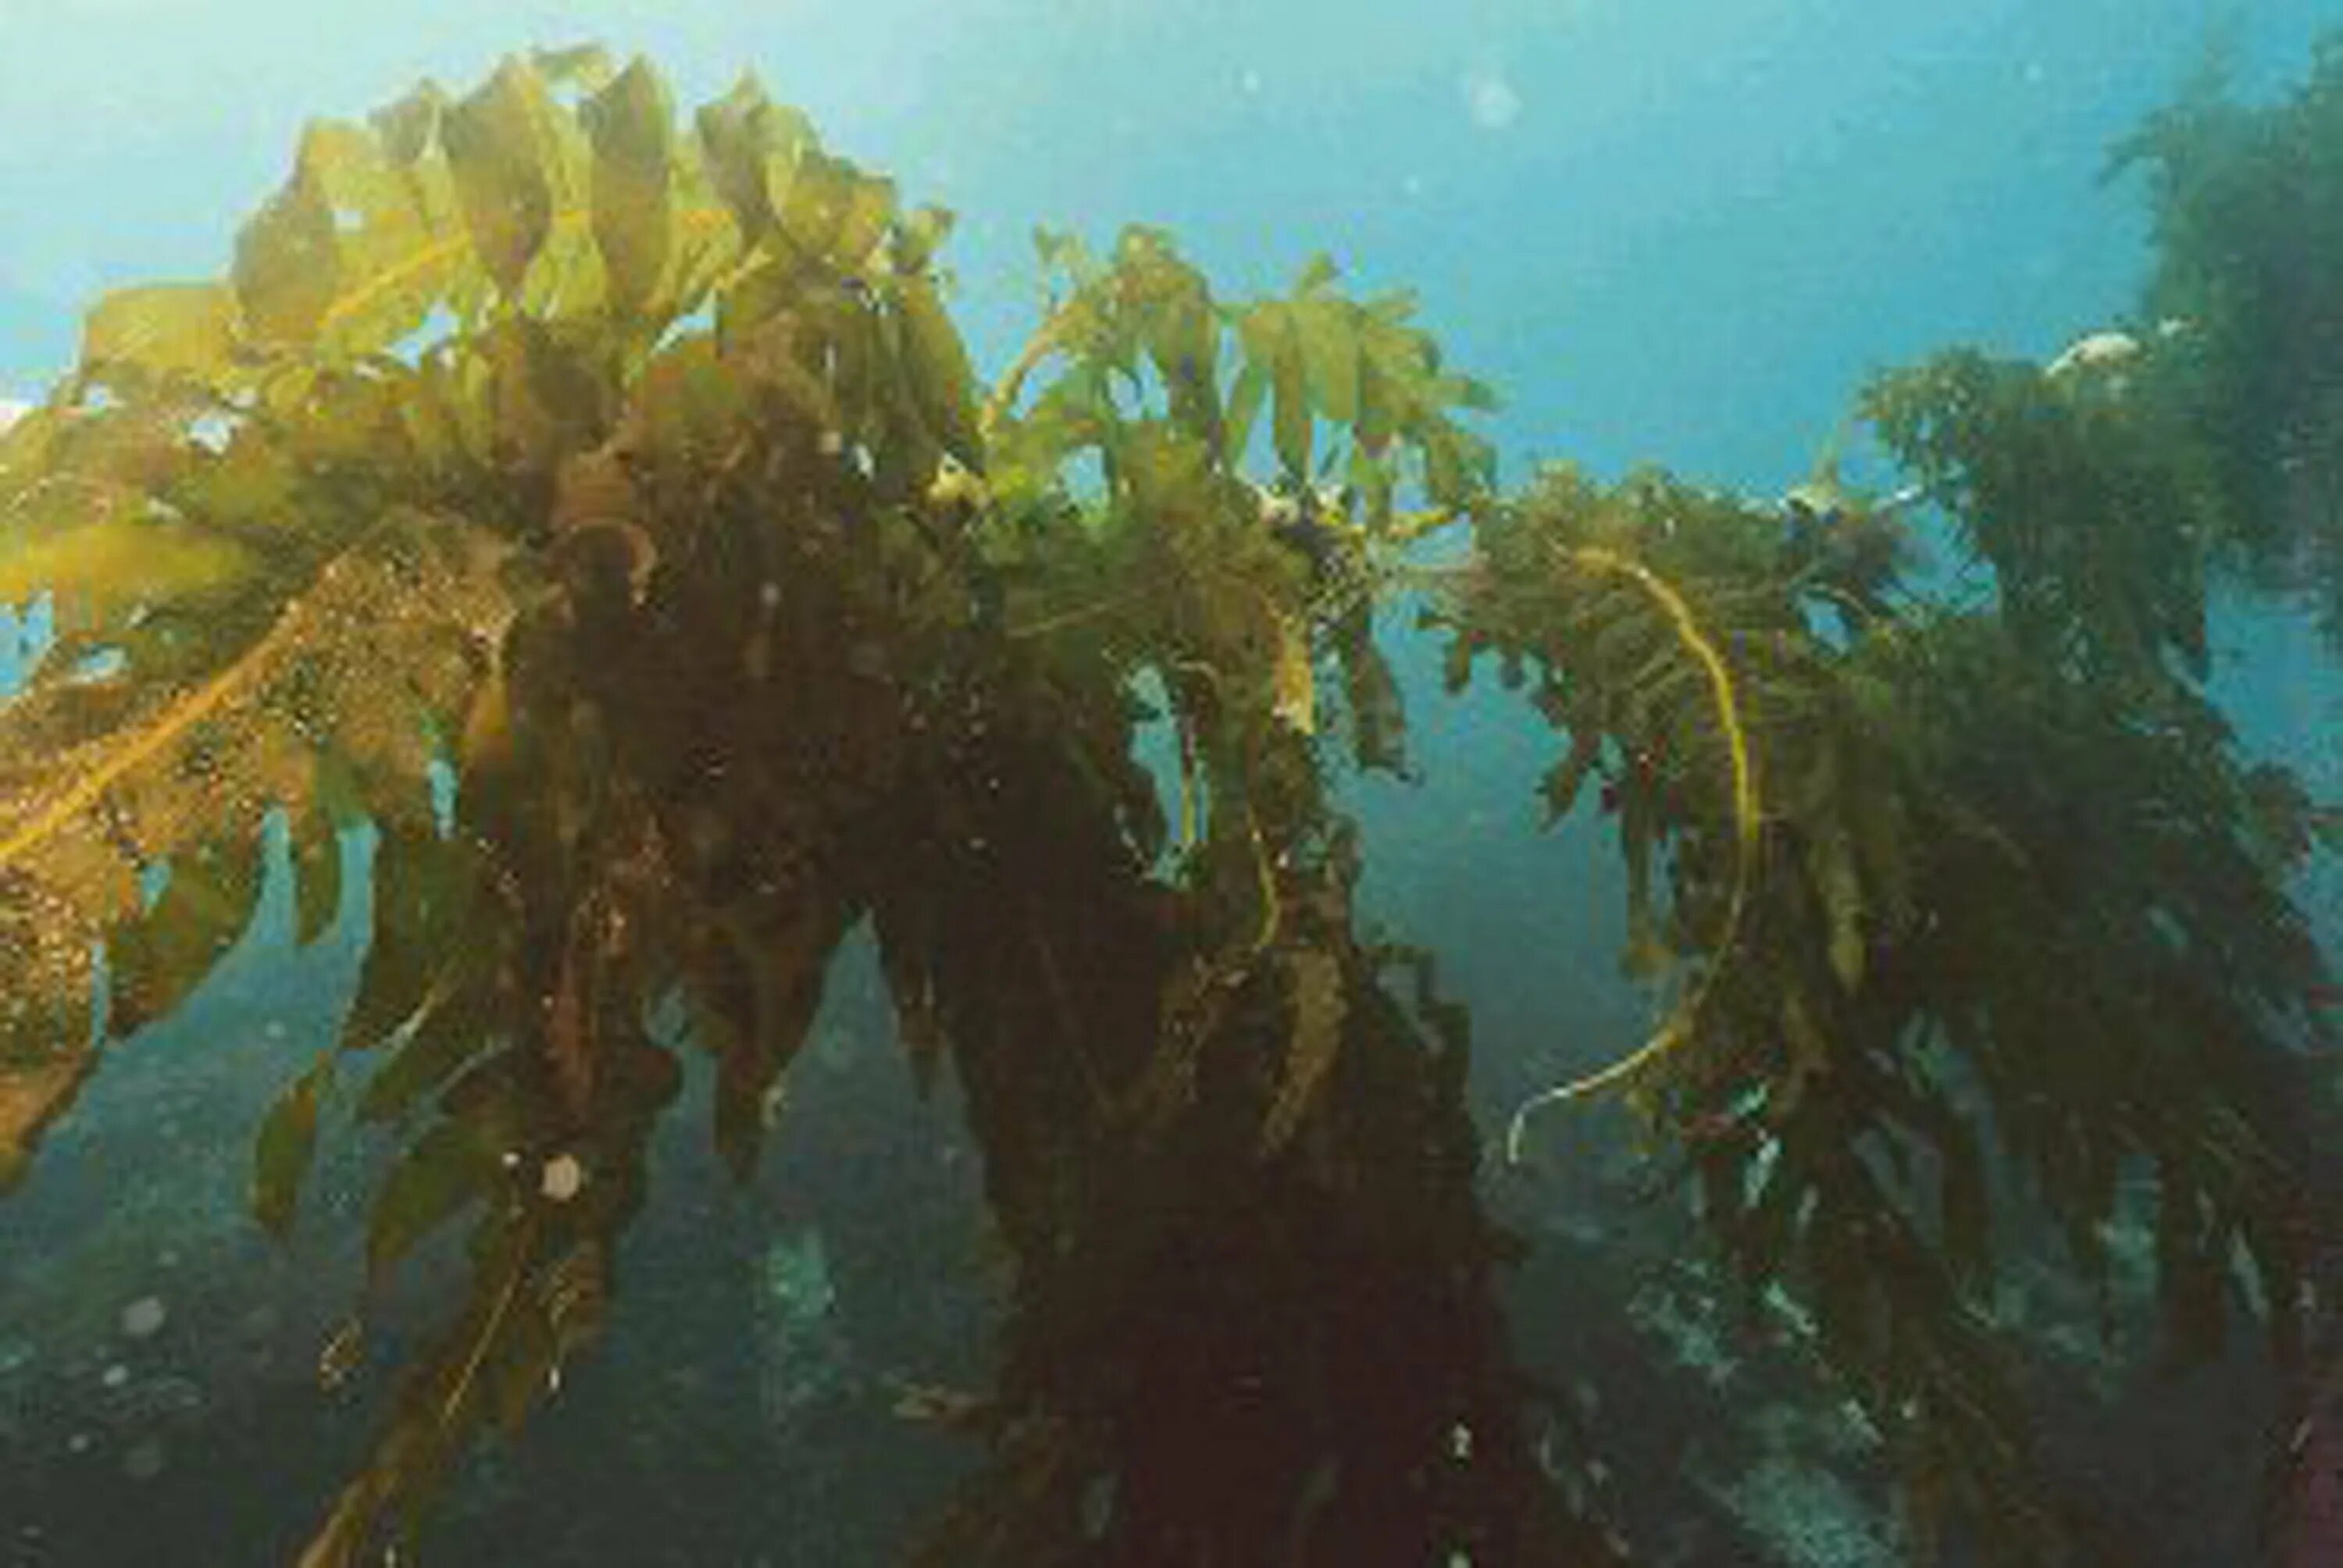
(1680, 231)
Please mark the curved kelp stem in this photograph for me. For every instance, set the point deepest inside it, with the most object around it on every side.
(1685, 1018)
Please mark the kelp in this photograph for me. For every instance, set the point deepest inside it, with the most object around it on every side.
(599, 501)
(2247, 203)
(1949, 887)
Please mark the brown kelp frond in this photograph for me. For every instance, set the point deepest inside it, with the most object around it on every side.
(602, 504)
(1668, 675)
(154, 751)
(1696, 643)
(1934, 785)
(2239, 328)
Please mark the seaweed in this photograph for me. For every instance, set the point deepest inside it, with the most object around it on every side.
(625, 470)
(2247, 202)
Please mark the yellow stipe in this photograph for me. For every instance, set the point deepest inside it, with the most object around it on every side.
(1679, 1027)
(208, 699)
(477, 1356)
(366, 293)
(155, 739)
(688, 220)
(1082, 612)
(356, 1510)
(173, 724)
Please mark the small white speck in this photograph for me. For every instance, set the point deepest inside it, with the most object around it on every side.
(144, 1459)
(1492, 100)
(1248, 83)
(143, 1317)
(562, 1178)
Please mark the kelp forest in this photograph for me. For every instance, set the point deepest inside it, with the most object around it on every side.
(595, 502)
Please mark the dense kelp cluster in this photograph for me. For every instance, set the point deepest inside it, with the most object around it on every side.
(603, 507)
(1946, 900)
(2248, 202)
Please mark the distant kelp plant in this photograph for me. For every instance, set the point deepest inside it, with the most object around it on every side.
(630, 477)
(2248, 202)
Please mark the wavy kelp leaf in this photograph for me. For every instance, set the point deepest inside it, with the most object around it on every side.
(1312, 353)
(409, 125)
(285, 1147)
(104, 558)
(1245, 397)
(832, 214)
(164, 329)
(367, 239)
(454, 1165)
(1378, 716)
(1271, 345)
(1289, 423)
(1560, 785)
(1318, 353)
(1379, 409)
(229, 718)
(545, 401)
(1182, 336)
(153, 962)
(773, 353)
(1457, 466)
(943, 381)
(287, 269)
(752, 145)
(336, 810)
(399, 244)
(631, 124)
(768, 983)
(428, 890)
(443, 1036)
(1326, 331)
(860, 375)
(497, 140)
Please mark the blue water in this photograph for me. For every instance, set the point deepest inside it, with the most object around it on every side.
(1670, 230)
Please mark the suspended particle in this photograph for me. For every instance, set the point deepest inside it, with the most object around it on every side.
(143, 1318)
